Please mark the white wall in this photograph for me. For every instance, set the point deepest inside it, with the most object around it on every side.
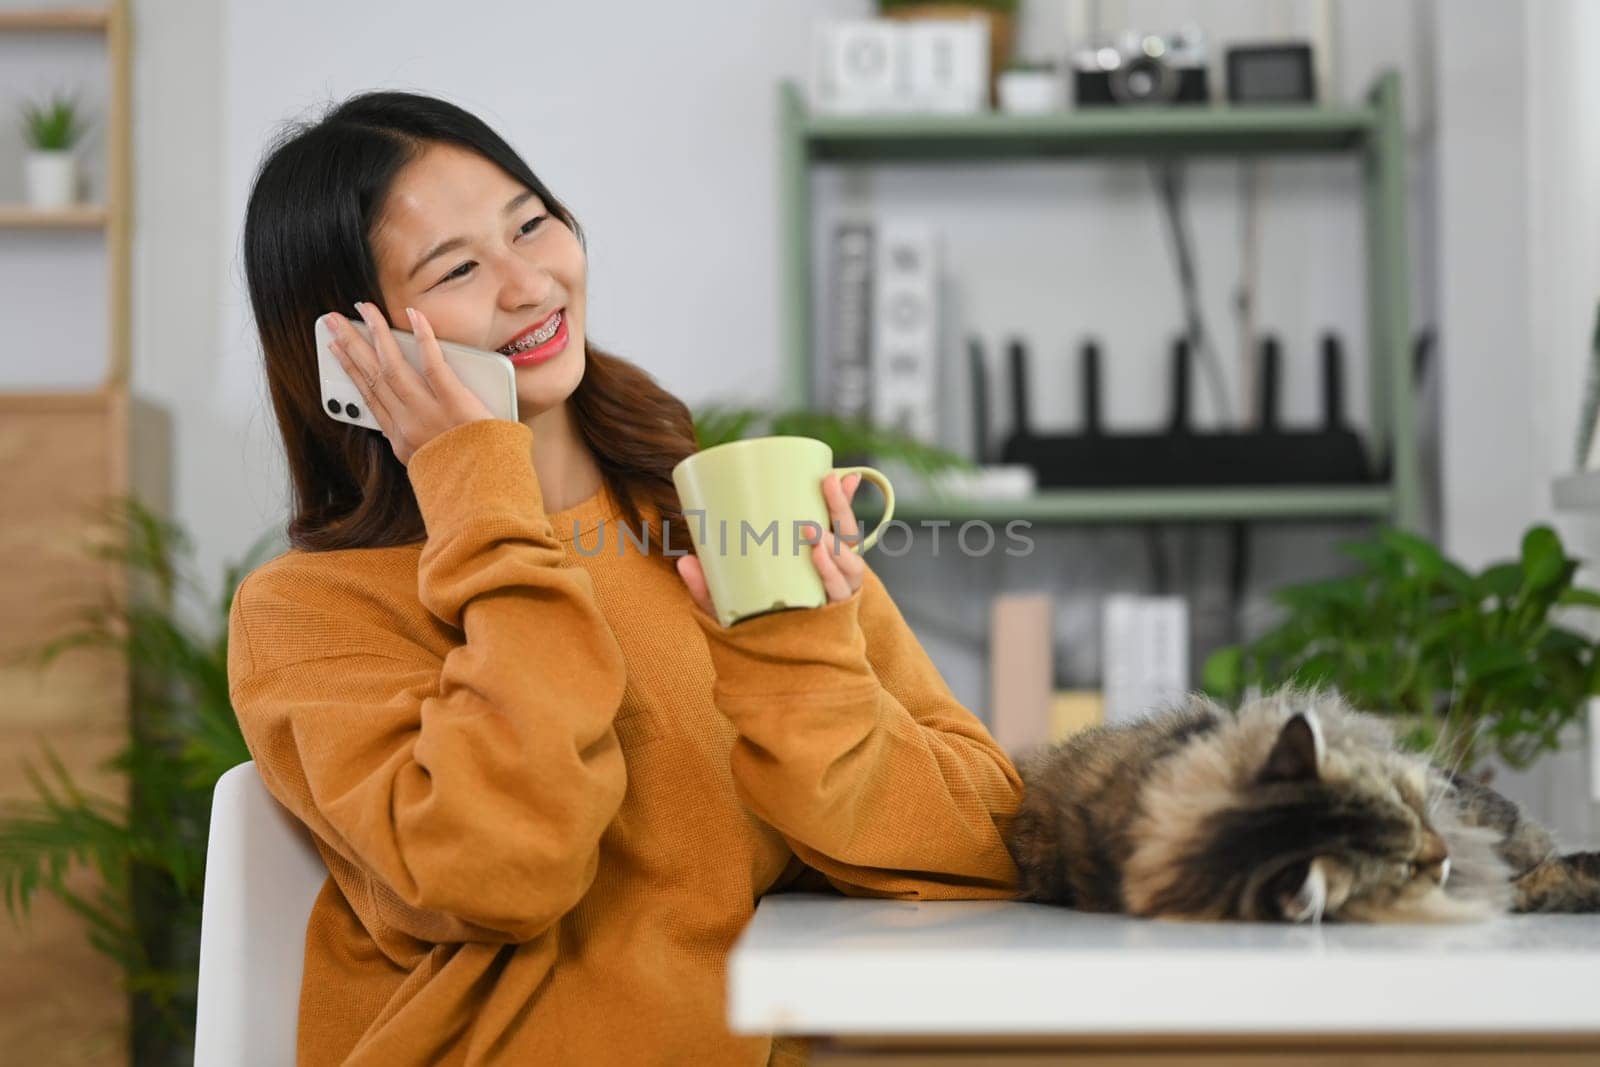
(1564, 230)
(1519, 202)
(1486, 304)
(189, 452)
(1564, 283)
(1519, 207)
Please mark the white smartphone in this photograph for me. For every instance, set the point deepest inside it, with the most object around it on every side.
(489, 375)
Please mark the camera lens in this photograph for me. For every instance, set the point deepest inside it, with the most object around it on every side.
(333, 406)
(353, 411)
(1141, 81)
(1144, 80)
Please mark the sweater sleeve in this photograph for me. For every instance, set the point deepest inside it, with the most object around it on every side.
(852, 746)
(474, 788)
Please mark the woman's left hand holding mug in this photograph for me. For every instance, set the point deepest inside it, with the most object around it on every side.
(838, 560)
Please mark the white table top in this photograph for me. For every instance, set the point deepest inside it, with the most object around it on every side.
(816, 964)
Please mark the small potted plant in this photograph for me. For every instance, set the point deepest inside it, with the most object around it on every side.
(1031, 88)
(53, 131)
(1468, 664)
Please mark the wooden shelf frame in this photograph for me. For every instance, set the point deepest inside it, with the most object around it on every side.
(56, 20)
(1216, 130)
(1192, 504)
(75, 217)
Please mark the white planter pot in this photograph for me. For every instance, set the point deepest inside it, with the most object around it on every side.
(1559, 790)
(1029, 92)
(51, 178)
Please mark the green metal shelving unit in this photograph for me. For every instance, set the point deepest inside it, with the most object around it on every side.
(1374, 130)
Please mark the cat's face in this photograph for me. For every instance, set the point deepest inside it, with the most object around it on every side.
(1338, 837)
(1288, 815)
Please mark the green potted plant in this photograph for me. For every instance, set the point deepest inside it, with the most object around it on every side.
(150, 853)
(52, 131)
(1470, 664)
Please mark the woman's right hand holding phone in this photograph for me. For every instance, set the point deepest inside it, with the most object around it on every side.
(411, 408)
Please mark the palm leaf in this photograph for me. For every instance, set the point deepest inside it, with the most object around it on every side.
(41, 840)
(183, 737)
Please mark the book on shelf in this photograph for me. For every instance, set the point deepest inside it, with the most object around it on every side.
(850, 321)
(1021, 670)
(1144, 654)
(1075, 710)
(905, 333)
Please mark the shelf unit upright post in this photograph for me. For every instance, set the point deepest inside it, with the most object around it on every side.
(1375, 129)
(794, 203)
(1393, 427)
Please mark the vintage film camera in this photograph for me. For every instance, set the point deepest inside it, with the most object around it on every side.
(1135, 68)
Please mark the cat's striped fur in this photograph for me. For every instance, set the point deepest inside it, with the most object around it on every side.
(1296, 807)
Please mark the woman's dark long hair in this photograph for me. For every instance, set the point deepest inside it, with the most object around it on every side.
(308, 250)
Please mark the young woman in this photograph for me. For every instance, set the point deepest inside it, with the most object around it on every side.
(549, 786)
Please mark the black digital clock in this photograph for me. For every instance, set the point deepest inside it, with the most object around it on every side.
(1271, 74)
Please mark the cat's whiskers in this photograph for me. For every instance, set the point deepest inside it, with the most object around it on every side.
(1460, 756)
(1445, 783)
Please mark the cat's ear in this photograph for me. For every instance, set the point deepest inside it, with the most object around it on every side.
(1297, 753)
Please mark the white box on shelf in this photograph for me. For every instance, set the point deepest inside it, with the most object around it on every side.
(1031, 92)
(856, 66)
(868, 66)
(1144, 654)
(948, 64)
(992, 481)
(905, 329)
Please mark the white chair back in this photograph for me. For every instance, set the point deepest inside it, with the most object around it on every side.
(263, 873)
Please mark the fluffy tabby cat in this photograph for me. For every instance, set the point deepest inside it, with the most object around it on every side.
(1295, 808)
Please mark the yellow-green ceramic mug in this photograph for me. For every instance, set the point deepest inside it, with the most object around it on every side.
(746, 504)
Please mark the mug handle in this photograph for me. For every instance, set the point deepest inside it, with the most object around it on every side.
(881, 480)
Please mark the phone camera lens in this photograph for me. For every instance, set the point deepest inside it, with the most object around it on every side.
(333, 406)
(353, 411)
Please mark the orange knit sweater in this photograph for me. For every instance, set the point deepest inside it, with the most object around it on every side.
(549, 790)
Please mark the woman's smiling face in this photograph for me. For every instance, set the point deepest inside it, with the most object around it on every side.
(514, 266)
